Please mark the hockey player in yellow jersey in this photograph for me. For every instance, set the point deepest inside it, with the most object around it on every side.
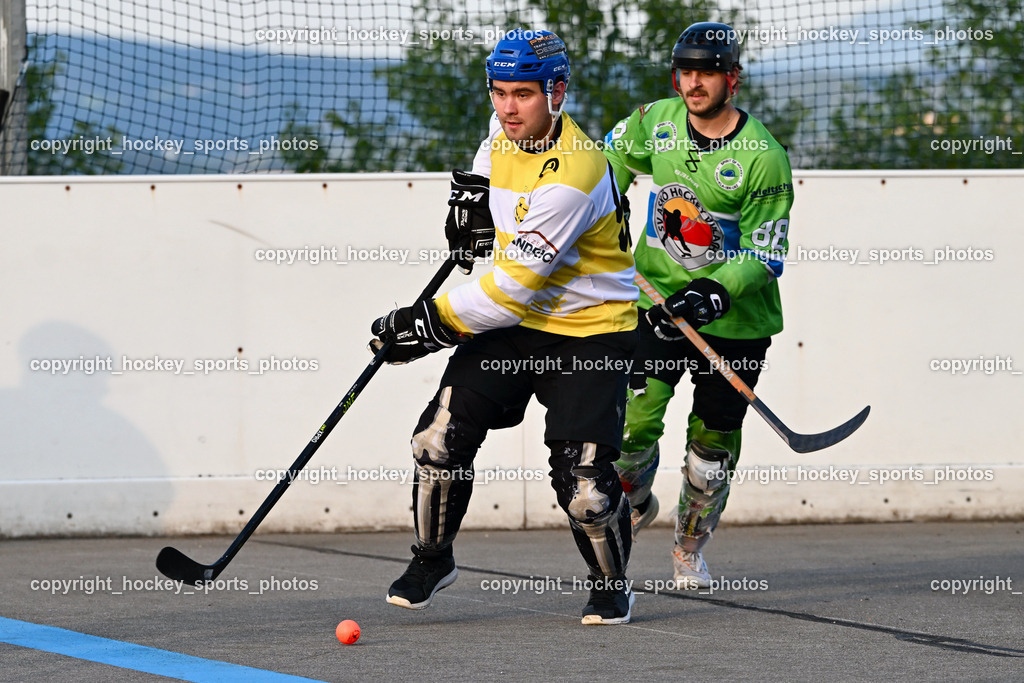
(544, 204)
(559, 303)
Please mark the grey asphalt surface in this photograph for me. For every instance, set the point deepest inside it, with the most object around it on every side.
(816, 602)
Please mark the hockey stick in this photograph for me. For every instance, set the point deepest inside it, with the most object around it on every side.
(174, 564)
(801, 443)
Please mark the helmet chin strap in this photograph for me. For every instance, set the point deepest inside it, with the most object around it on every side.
(555, 115)
(532, 145)
(551, 130)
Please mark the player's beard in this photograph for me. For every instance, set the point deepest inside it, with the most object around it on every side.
(711, 106)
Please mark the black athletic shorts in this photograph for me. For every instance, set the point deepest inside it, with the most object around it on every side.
(581, 381)
(715, 401)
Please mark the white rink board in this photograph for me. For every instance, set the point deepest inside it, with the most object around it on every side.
(165, 267)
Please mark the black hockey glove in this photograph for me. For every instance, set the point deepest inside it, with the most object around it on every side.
(469, 228)
(700, 302)
(416, 331)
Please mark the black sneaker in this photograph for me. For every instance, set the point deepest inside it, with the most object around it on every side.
(611, 601)
(426, 575)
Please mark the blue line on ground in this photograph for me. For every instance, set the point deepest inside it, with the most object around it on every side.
(131, 656)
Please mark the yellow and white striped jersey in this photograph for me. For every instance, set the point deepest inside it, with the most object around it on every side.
(562, 262)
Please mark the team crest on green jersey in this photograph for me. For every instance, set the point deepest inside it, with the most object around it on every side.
(729, 174)
(686, 230)
(664, 135)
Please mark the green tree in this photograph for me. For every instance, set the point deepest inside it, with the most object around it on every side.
(312, 159)
(40, 86)
(361, 146)
(970, 92)
(981, 96)
(620, 54)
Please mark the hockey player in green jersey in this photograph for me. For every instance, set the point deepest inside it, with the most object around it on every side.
(713, 246)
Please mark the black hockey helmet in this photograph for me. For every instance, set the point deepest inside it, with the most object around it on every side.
(706, 46)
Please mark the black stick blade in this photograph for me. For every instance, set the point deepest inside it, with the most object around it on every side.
(176, 565)
(806, 443)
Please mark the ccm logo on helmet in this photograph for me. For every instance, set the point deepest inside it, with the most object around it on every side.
(504, 64)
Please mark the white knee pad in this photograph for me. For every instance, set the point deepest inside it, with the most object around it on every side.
(703, 497)
(588, 501)
(707, 469)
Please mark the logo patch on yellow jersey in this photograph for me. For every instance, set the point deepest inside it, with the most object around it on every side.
(521, 209)
(552, 305)
(549, 165)
(531, 246)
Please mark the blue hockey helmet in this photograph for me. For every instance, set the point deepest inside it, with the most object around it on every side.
(525, 55)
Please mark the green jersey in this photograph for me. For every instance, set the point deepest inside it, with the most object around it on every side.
(721, 212)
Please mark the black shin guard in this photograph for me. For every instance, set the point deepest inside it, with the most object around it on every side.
(445, 442)
(589, 491)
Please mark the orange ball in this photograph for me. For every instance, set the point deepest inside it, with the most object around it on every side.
(347, 631)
